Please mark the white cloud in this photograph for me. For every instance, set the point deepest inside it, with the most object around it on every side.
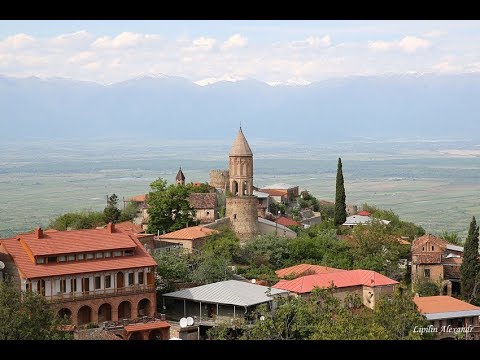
(235, 41)
(81, 57)
(92, 66)
(434, 34)
(408, 44)
(313, 41)
(123, 40)
(203, 43)
(18, 41)
(212, 80)
(71, 38)
(447, 66)
(411, 44)
(32, 60)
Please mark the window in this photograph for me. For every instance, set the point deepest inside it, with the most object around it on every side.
(426, 273)
(131, 279)
(98, 282)
(99, 255)
(41, 260)
(80, 256)
(62, 258)
(140, 277)
(89, 256)
(208, 212)
(108, 281)
(423, 248)
(63, 285)
(71, 257)
(52, 259)
(432, 247)
(128, 252)
(73, 285)
(27, 287)
(117, 253)
(234, 216)
(107, 254)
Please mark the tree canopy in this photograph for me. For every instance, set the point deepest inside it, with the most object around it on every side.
(340, 214)
(470, 268)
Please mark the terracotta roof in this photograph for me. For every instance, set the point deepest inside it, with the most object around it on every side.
(138, 198)
(419, 242)
(440, 304)
(180, 176)
(340, 279)
(364, 213)
(190, 233)
(275, 192)
(240, 146)
(202, 200)
(303, 269)
(93, 240)
(285, 221)
(129, 227)
(147, 326)
(427, 258)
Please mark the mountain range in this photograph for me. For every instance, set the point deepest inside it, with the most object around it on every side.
(167, 107)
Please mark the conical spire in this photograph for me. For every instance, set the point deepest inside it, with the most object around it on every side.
(240, 146)
(180, 176)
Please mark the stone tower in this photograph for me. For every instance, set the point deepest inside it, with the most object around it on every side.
(180, 178)
(241, 205)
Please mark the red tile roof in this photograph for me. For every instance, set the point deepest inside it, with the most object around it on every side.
(190, 233)
(92, 240)
(285, 221)
(202, 200)
(440, 304)
(138, 198)
(364, 213)
(147, 326)
(305, 269)
(275, 192)
(340, 279)
(129, 227)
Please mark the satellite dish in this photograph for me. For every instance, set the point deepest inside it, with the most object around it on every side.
(189, 321)
(2, 265)
(254, 281)
(183, 322)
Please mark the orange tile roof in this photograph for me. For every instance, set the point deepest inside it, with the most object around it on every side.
(74, 241)
(138, 198)
(129, 227)
(440, 304)
(304, 269)
(340, 279)
(275, 192)
(29, 269)
(190, 233)
(147, 326)
(364, 213)
(285, 221)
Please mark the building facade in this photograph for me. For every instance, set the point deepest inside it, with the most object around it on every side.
(89, 276)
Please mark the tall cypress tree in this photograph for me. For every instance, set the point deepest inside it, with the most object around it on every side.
(469, 270)
(340, 207)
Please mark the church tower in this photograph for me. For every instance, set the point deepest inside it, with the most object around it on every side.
(180, 178)
(241, 205)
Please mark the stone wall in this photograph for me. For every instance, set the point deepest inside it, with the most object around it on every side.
(219, 179)
(242, 212)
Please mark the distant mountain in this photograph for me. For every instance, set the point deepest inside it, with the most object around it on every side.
(166, 107)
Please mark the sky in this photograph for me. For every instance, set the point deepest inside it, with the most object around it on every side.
(206, 51)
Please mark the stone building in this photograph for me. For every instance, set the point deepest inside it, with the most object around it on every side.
(90, 276)
(188, 238)
(205, 205)
(220, 179)
(241, 205)
(180, 178)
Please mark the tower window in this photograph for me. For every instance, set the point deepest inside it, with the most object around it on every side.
(234, 216)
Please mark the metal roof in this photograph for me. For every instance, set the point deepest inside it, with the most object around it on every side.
(229, 292)
(360, 219)
(274, 224)
(281, 186)
(454, 247)
(452, 314)
(260, 194)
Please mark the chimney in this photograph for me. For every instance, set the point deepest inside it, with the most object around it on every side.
(39, 232)
(110, 228)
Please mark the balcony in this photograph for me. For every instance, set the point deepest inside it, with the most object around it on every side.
(128, 290)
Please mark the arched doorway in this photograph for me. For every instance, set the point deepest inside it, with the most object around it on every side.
(137, 335)
(144, 306)
(120, 280)
(125, 310)
(84, 315)
(104, 312)
(65, 313)
(234, 187)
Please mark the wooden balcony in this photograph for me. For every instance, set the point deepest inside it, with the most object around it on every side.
(134, 289)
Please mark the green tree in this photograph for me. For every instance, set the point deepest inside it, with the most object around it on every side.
(266, 249)
(112, 200)
(208, 269)
(111, 213)
(172, 266)
(451, 237)
(224, 244)
(199, 188)
(398, 315)
(340, 214)
(129, 212)
(426, 287)
(469, 270)
(27, 316)
(169, 209)
(78, 220)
